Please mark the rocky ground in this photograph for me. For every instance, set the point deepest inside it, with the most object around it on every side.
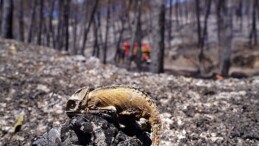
(36, 82)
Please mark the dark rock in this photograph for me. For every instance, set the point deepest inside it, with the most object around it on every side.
(50, 138)
(90, 130)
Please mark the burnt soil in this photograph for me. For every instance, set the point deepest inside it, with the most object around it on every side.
(36, 82)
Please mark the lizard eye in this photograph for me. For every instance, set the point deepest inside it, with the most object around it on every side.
(71, 105)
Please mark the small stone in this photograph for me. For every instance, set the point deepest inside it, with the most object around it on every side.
(43, 88)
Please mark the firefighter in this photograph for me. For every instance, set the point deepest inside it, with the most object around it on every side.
(123, 52)
(145, 53)
(146, 50)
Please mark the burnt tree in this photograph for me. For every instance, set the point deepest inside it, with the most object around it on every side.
(170, 23)
(7, 19)
(32, 20)
(253, 32)
(50, 33)
(40, 22)
(106, 32)
(99, 28)
(158, 33)
(1, 13)
(197, 5)
(118, 42)
(135, 35)
(225, 30)
(20, 21)
(66, 23)
(96, 48)
(202, 33)
(59, 40)
(75, 29)
(139, 37)
(86, 29)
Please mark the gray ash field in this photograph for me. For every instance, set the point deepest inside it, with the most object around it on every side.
(36, 82)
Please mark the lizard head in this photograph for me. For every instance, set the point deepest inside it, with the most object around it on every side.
(74, 103)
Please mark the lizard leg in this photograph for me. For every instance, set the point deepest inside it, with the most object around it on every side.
(107, 110)
(131, 112)
(135, 114)
(143, 123)
(109, 113)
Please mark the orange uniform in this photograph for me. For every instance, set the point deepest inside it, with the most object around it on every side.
(145, 50)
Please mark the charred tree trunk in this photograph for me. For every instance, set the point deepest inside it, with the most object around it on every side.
(114, 26)
(32, 20)
(75, 28)
(21, 26)
(205, 28)
(119, 40)
(59, 41)
(99, 28)
(133, 37)
(157, 55)
(150, 24)
(177, 12)
(240, 14)
(44, 31)
(96, 48)
(1, 14)
(74, 49)
(66, 23)
(170, 23)
(197, 5)
(204, 37)
(224, 18)
(50, 33)
(86, 29)
(7, 19)
(39, 40)
(127, 16)
(253, 33)
(135, 30)
(106, 33)
(139, 37)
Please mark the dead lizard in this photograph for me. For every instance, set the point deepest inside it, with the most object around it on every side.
(120, 99)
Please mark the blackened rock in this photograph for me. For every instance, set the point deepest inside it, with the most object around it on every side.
(90, 129)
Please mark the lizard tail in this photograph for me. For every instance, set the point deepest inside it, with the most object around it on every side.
(156, 132)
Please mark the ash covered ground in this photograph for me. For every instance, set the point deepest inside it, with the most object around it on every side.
(36, 82)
